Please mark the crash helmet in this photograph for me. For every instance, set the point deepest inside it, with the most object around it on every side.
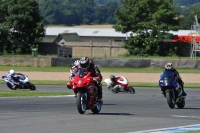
(112, 77)
(11, 72)
(169, 66)
(84, 62)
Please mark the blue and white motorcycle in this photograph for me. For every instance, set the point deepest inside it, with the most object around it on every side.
(171, 90)
(20, 82)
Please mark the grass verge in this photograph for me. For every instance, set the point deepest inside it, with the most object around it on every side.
(103, 69)
(28, 93)
(134, 84)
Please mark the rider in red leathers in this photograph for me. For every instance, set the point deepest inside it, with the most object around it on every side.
(86, 63)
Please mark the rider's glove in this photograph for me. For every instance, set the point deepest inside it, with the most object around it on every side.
(96, 80)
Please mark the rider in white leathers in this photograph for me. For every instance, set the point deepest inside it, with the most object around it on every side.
(12, 79)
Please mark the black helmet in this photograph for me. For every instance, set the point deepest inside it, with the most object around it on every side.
(112, 77)
(84, 62)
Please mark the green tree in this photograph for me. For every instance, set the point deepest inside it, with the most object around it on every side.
(21, 25)
(187, 21)
(150, 22)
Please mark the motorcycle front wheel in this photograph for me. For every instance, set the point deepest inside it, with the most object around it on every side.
(10, 86)
(169, 99)
(32, 86)
(81, 102)
(131, 90)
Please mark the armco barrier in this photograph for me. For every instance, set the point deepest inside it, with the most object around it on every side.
(25, 61)
(101, 62)
(139, 63)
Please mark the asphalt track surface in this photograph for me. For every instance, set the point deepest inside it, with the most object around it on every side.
(121, 113)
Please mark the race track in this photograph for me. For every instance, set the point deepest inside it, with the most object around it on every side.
(121, 113)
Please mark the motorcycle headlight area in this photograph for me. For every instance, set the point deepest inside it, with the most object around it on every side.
(165, 81)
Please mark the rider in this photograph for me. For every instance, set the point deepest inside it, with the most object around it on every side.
(73, 70)
(12, 79)
(86, 63)
(113, 80)
(169, 67)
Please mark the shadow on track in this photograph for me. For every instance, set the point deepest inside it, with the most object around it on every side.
(190, 108)
(111, 114)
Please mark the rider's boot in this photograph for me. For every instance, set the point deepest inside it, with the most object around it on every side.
(183, 94)
(115, 88)
(100, 95)
(14, 87)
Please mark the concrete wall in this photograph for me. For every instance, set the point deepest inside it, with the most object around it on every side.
(138, 63)
(94, 49)
(101, 62)
(25, 61)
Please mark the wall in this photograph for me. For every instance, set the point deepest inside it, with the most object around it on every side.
(25, 61)
(101, 62)
(96, 49)
(138, 63)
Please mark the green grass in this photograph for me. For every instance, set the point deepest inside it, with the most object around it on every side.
(102, 69)
(134, 84)
(28, 93)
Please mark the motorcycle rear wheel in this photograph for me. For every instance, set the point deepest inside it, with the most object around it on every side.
(81, 102)
(169, 99)
(181, 104)
(96, 109)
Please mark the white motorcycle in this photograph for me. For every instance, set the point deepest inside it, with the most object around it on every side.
(20, 82)
(119, 84)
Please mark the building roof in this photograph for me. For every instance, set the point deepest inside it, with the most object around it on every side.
(104, 32)
(86, 32)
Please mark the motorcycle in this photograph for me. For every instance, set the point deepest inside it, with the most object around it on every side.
(119, 84)
(171, 90)
(86, 92)
(20, 82)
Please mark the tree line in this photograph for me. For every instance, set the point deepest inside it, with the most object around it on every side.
(22, 22)
(76, 12)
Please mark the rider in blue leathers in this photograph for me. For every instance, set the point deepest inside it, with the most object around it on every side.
(169, 67)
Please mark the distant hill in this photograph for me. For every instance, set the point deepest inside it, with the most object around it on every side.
(186, 2)
(177, 2)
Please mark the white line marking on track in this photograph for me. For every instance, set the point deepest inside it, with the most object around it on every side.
(59, 96)
(181, 116)
(179, 129)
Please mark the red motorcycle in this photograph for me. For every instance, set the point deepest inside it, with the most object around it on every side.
(86, 92)
(119, 84)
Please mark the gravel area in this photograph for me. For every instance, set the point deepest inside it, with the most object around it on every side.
(132, 77)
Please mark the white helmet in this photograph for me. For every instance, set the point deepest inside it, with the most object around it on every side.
(11, 72)
(76, 63)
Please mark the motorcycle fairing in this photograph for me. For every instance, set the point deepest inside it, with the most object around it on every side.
(83, 82)
(167, 80)
(122, 80)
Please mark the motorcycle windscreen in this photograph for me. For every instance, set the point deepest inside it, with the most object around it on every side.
(82, 72)
(166, 78)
